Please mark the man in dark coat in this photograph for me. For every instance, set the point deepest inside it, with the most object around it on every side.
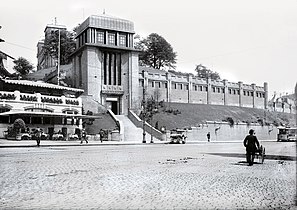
(251, 144)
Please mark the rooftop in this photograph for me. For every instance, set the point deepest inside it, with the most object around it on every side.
(39, 84)
(106, 22)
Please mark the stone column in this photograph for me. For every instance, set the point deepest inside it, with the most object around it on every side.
(208, 91)
(254, 98)
(265, 95)
(226, 92)
(190, 86)
(240, 93)
(168, 94)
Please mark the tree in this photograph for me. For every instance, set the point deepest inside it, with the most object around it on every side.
(22, 66)
(203, 72)
(67, 45)
(156, 52)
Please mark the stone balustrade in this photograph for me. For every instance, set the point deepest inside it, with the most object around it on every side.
(38, 98)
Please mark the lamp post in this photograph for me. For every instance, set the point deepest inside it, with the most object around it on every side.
(59, 43)
(144, 111)
(152, 128)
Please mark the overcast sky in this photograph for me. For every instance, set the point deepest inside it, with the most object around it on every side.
(253, 41)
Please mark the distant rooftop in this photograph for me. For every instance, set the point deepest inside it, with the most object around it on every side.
(55, 26)
(107, 22)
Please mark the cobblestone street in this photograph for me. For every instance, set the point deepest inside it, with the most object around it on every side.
(190, 176)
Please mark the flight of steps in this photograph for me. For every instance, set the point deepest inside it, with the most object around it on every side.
(131, 132)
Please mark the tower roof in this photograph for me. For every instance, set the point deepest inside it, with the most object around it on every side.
(106, 22)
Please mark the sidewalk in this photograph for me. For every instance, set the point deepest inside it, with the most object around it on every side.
(4, 143)
(50, 143)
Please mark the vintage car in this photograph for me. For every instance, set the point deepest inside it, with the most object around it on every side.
(58, 137)
(73, 137)
(287, 133)
(178, 136)
(25, 136)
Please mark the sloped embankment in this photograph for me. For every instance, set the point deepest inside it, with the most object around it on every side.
(191, 115)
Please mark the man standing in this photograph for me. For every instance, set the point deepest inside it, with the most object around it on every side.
(208, 136)
(83, 136)
(101, 133)
(38, 136)
(251, 144)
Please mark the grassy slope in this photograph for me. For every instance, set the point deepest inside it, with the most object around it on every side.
(195, 114)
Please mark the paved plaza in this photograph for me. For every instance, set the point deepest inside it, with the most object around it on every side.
(147, 176)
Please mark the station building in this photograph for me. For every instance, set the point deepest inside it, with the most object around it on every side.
(106, 67)
(105, 64)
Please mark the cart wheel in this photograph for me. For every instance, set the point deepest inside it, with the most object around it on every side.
(263, 155)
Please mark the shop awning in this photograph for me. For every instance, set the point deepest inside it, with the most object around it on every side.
(48, 114)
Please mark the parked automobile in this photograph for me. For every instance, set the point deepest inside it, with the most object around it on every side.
(58, 137)
(178, 136)
(26, 136)
(286, 134)
(73, 137)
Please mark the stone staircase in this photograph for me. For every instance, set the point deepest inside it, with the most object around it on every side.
(131, 132)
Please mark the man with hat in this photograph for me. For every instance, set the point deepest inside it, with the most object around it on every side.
(251, 144)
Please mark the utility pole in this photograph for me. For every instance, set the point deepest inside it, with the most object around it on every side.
(143, 111)
(59, 43)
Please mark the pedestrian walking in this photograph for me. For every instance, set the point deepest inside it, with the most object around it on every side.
(83, 136)
(101, 133)
(38, 136)
(251, 144)
(208, 136)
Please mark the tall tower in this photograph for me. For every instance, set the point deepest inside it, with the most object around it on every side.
(44, 60)
(105, 64)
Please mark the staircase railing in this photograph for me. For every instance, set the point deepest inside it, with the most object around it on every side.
(119, 124)
(149, 128)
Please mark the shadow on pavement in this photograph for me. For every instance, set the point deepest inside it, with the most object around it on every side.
(267, 157)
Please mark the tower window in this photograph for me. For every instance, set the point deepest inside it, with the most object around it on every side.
(122, 40)
(100, 37)
(111, 39)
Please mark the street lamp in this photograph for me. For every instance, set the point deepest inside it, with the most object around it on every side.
(59, 43)
(152, 128)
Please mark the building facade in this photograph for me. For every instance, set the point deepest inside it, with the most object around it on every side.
(106, 64)
(51, 107)
(185, 88)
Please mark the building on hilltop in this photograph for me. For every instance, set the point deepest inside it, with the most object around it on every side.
(285, 103)
(105, 64)
(44, 60)
(185, 88)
